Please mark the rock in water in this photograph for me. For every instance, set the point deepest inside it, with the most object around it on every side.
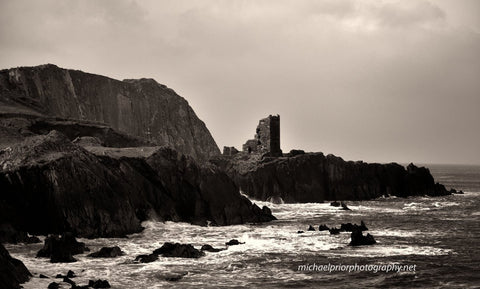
(61, 249)
(146, 258)
(139, 107)
(358, 239)
(98, 284)
(178, 250)
(345, 207)
(233, 242)
(209, 248)
(107, 252)
(311, 228)
(12, 271)
(323, 228)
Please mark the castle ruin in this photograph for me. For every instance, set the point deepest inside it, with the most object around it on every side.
(267, 138)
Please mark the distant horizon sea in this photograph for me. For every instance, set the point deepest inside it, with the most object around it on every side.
(437, 236)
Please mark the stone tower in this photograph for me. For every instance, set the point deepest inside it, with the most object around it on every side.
(267, 137)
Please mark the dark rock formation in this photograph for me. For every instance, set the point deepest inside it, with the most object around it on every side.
(233, 242)
(314, 177)
(300, 232)
(349, 227)
(209, 248)
(335, 204)
(146, 258)
(358, 239)
(98, 283)
(61, 249)
(345, 207)
(323, 228)
(141, 107)
(70, 274)
(53, 285)
(334, 231)
(178, 250)
(107, 252)
(311, 228)
(50, 185)
(41, 276)
(12, 271)
(175, 250)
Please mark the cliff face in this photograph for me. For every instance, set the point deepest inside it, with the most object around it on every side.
(314, 177)
(142, 108)
(51, 185)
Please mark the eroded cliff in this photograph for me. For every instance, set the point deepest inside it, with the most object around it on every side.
(139, 107)
(314, 177)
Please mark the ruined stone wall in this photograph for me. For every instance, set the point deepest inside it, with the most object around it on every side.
(267, 137)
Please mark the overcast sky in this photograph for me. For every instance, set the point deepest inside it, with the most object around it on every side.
(366, 80)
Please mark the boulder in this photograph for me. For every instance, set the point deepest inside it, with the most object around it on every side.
(311, 228)
(335, 204)
(178, 250)
(146, 258)
(107, 252)
(234, 242)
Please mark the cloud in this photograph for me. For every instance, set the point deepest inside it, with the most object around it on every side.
(373, 80)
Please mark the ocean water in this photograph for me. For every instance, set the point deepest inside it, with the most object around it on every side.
(439, 236)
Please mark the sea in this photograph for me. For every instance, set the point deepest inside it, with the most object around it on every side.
(422, 242)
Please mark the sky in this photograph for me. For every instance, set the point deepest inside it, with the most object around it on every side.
(371, 80)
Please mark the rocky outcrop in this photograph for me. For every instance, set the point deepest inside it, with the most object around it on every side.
(61, 249)
(12, 271)
(139, 107)
(314, 177)
(107, 252)
(358, 239)
(50, 185)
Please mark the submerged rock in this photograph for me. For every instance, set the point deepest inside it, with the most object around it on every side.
(335, 204)
(107, 252)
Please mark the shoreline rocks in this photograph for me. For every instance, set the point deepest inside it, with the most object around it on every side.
(12, 271)
(314, 177)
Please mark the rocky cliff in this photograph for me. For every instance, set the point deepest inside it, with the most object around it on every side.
(314, 177)
(51, 185)
(139, 107)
